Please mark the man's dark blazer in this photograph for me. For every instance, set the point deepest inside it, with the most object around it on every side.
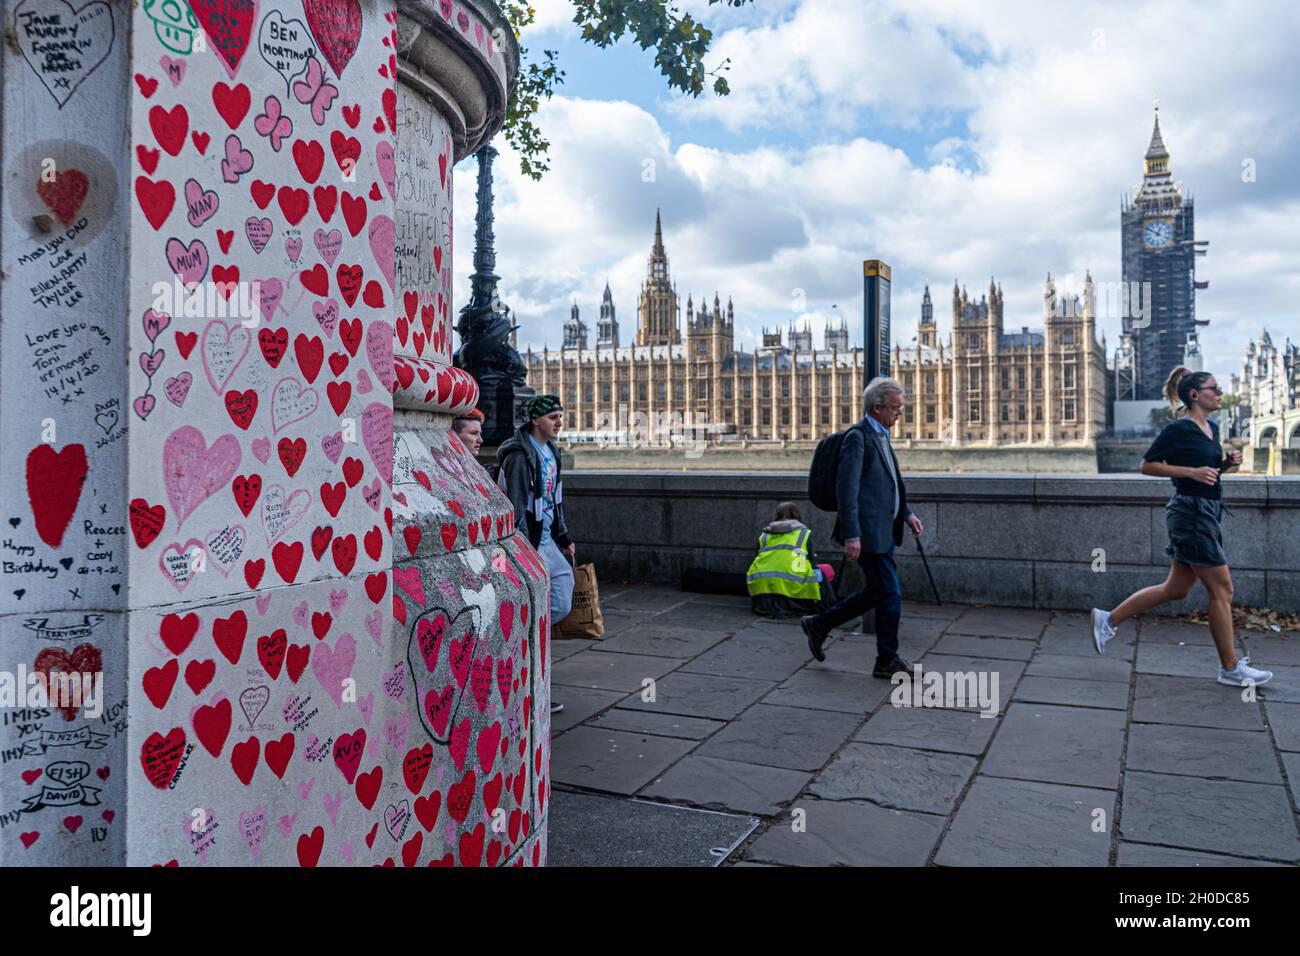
(865, 490)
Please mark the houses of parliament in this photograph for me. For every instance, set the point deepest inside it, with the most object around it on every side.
(983, 386)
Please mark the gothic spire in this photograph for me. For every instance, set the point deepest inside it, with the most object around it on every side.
(659, 236)
(1157, 148)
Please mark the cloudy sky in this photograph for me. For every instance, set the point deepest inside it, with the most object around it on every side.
(952, 140)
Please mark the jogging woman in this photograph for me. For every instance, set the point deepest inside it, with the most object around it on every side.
(1189, 454)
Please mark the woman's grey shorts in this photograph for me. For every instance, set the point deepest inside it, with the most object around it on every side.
(1195, 531)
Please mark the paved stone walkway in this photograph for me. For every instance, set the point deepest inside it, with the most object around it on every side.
(1137, 758)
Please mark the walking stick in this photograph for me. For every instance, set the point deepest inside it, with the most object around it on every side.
(926, 562)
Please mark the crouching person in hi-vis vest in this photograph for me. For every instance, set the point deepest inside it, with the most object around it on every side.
(782, 580)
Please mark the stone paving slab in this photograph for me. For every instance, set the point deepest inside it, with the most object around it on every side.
(1008, 671)
(754, 654)
(788, 737)
(967, 645)
(1024, 823)
(727, 784)
(1071, 634)
(595, 830)
(701, 695)
(1224, 816)
(901, 778)
(612, 760)
(1179, 660)
(940, 612)
(1285, 685)
(1140, 854)
(1284, 721)
(841, 833)
(580, 703)
(659, 640)
(1270, 652)
(929, 728)
(643, 597)
(1170, 630)
(624, 672)
(567, 647)
(713, 617)
(661, 725)
(1192, 701)
(1292, 764)
(819, 688)
(1203, 752)
(1068, 745)
(1002, 622)
(1080, 668)
(1108, 695)
(616, 622)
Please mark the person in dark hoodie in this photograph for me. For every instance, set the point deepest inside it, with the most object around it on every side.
(530, 477)
(782, 580)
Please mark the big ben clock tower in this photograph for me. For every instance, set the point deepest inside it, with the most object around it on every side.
(1159, 252)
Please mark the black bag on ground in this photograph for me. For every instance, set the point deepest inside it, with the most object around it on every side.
(824, 471)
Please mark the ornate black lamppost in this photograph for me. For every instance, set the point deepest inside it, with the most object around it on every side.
(485, 327)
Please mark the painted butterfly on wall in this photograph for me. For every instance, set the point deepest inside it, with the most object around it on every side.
(272, 124)
(314, 90)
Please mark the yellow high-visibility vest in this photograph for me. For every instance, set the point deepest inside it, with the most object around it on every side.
(782, 567)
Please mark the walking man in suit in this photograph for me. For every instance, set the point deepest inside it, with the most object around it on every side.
(872, 511)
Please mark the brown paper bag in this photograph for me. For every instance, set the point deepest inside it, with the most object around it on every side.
(584, 619)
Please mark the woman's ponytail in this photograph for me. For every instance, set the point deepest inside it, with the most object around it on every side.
(1171, 390)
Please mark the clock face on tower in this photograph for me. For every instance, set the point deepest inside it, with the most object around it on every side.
(1157, 233)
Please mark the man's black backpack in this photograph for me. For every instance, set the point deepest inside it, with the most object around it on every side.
(824, 471)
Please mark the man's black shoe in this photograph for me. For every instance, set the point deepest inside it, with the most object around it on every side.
(815, 637)
(888, 669)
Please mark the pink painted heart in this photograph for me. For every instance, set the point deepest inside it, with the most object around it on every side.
(202, 204)
(291, 402)
(190, 263)
(328, 244)
(300, 614)
(223, 348)
(332, 446)
(192, 470)
(363, 382)
(375, 626)
(377, 437)
(155, 323)
(173, 69)
(270, 294)
(327, 314)
(373, 494)
(338, 599)
(333, 666)
(379, 349)
(304, 788)
(178, 388)
(382, 234)
(258, 232)
(261, 449)
(144, 405)
(150, 362)
(395, 731)
(293, 247)
(252, 827)
(263, 601)
(366, 705)
(386, 161)
(331, 804)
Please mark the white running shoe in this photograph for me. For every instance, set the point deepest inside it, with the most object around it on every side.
(1102, 631)
(1244, 674)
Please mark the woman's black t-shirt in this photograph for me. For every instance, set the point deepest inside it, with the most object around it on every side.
(1183, 443)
